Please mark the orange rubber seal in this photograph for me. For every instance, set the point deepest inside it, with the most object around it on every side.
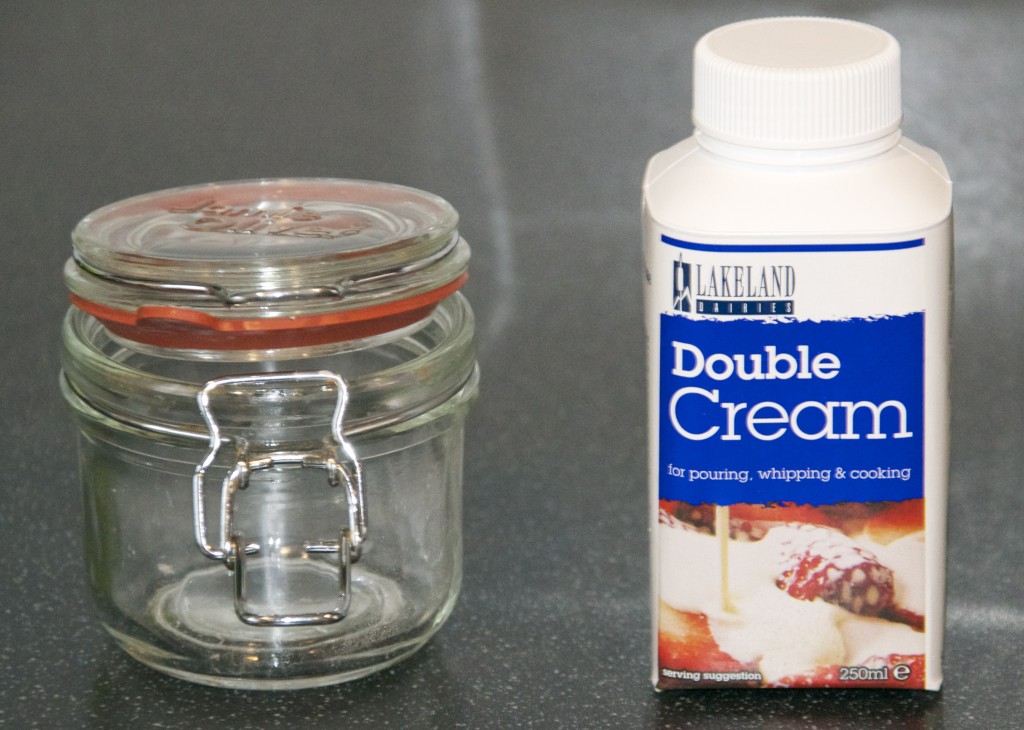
(181, 327)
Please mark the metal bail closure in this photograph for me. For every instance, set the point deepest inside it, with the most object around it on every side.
(337, 458)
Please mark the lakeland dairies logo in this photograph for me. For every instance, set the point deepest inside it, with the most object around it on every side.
(681, 298)
(741, 291)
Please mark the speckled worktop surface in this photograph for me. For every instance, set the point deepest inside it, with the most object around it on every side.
(535, 120)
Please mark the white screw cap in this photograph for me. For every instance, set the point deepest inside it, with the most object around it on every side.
(797, 83)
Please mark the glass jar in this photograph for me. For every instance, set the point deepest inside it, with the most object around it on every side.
(270, 381)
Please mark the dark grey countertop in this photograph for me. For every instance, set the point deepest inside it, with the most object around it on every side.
(535, 120)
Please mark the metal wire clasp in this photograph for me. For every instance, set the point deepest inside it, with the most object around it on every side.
(337, 458)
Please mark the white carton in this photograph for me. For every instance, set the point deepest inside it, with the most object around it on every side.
(798, 305)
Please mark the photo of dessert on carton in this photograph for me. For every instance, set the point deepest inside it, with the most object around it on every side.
(791, 595)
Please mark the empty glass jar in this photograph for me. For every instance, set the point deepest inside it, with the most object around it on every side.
(270, 380)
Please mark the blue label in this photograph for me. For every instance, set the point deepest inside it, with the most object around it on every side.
(791, 411)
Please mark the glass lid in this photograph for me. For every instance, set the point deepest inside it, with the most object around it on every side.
(265, 255)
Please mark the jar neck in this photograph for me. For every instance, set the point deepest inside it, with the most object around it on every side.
(391, 379)
(798, 157)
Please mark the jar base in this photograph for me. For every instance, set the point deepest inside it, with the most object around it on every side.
(144, 654)
(194, 634)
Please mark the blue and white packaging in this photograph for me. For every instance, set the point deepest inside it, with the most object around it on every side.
(798, 306)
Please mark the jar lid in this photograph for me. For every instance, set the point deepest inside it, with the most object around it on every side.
(266, 263)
